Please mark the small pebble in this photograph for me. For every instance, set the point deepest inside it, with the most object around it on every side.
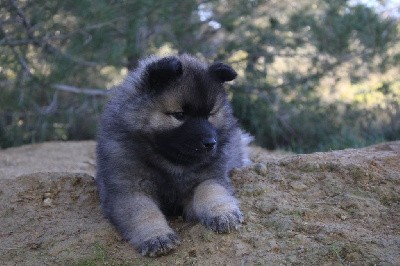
(298, 186)
(47, 202)
(260, 169)
(47, 195)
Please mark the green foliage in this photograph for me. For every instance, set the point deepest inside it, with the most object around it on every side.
(311, 126)
(291, 58)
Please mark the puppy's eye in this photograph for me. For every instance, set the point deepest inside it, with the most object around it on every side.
(178, 115)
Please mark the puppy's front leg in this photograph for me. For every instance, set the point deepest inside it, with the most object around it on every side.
(215, 207)
(142, 223)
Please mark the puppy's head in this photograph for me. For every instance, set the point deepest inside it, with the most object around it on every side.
(188, 116)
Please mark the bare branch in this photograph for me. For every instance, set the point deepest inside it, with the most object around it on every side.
(52, 107)
(22, 60)
(88, 91)
(14, 42)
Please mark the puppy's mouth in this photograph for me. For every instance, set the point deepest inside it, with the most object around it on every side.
(192, 159)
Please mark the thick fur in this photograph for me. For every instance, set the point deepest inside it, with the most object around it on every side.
(166, 143)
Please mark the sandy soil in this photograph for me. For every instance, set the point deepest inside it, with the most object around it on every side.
(334, 208)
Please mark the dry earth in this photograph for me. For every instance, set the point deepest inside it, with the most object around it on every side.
(333, 208)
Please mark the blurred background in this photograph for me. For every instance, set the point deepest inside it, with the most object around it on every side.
(314, 75)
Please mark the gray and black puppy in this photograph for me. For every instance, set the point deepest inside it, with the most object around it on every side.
(166, 143)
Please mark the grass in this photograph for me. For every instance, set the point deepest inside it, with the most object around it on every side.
(99, 257)
(336, 250)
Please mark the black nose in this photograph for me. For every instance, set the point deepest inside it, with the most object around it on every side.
(209, 143)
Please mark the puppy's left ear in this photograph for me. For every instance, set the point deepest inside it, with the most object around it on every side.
(222, 72)
(163, 71)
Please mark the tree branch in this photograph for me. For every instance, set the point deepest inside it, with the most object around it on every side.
(15, 42)
(22, 60)
(87, 91)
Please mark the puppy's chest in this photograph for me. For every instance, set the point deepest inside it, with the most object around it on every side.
(178, 186)
(173, 193)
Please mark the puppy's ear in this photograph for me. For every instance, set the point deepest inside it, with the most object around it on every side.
(163, 71)
(222, 72)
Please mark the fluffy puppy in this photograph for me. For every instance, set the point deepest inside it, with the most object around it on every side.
(166, 143)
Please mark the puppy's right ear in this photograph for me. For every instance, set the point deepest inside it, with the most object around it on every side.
(163, 71)
(222, 72)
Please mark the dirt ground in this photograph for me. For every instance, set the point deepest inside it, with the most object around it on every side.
(333, 208)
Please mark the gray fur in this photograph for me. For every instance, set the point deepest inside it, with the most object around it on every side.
(138, 185)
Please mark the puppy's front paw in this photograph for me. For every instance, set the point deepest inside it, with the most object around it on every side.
(225, 222)
(159, 245)
(215, 207)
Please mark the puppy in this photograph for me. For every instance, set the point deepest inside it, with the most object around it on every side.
(166, 143)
